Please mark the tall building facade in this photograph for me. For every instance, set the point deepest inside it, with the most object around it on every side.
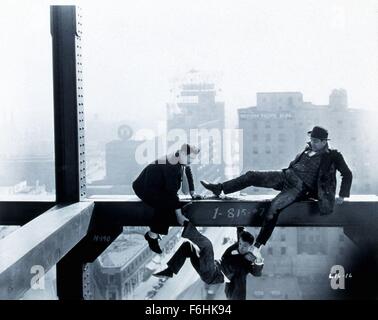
(196, 111)
(275, 130)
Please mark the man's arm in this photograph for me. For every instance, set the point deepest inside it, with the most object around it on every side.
(255, 266)
(346, 175)
(189, 175)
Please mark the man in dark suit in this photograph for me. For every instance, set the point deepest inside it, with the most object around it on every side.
(236, 262)
(312, 174)
(158, 185)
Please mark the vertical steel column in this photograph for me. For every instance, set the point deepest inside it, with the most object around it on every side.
(69, 132)
(68, 104)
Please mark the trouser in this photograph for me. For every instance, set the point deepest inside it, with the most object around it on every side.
(163, 216)
(291, 189)
(162, 220)
(202, 261)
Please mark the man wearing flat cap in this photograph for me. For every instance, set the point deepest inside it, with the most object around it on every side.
(312, 174)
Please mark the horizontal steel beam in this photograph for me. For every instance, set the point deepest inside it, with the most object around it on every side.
(77, 228)
(41, 242)
(246, 211)
(130, 211)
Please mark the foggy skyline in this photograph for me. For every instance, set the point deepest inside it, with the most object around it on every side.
(135, 52)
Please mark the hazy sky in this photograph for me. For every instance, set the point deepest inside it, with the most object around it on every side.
(133, 50)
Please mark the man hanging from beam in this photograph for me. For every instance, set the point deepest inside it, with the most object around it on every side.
(234, 266)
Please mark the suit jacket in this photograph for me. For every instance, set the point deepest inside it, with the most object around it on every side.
(159, 182)
(236, 268)
(331, 161)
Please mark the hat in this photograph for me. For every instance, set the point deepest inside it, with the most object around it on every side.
(319, 133)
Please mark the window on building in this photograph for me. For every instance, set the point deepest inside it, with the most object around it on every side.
(255, 137)
(267, 124)
(283, 250)
(270, 251)
(281, 137)
(283, 237)
(268, 150)
(267, 137)
(255, 150)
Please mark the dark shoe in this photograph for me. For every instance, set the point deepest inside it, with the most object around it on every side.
(214, 188)
(153, 244)
(166, 273)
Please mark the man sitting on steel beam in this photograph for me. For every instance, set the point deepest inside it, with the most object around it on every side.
(312, 174)
(158, 185)
(236, 262)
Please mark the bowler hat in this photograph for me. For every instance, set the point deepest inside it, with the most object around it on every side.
(319, 133)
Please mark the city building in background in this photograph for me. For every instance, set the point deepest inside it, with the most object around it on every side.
(275, 131)
(195, 106)
(27, 176)
(126, 264)
(114, 171)
(297, 265)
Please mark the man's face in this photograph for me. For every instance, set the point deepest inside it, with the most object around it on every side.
(188, 159)
(191, 157)
(243, 246)
(317, 144)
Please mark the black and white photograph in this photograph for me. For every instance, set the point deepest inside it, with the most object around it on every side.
(209, 150)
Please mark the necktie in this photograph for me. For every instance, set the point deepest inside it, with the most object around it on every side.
(184, 182)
